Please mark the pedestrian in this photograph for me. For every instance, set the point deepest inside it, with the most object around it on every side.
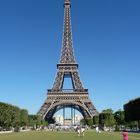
(125, 135)
(97, 129)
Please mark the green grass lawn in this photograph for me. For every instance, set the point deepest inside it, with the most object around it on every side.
(45, 135)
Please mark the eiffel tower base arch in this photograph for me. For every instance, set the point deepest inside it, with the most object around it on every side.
(76, 100)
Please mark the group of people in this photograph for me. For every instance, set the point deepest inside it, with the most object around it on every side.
(125, 134)
(81, 132)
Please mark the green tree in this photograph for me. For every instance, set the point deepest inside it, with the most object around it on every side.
(96, 120)
(44, 123)
(5, 116)
(139, 124)
(9, 115)
(132, 110)
(110, 111)
(89, 122)
(132, 125)
(23, 117)
(106, 118)
(31, 121)
(15, 116)
(35, 120)
(38, 120)
(82, 121)
(119, 117)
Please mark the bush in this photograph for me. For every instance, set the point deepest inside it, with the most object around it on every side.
(16, 129)
(117, 128)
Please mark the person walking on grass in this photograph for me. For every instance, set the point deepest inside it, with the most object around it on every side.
(97, 129)
(125, 135)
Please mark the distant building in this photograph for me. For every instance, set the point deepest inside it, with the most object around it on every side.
(77, 119)
(59, 119)
(74, 120)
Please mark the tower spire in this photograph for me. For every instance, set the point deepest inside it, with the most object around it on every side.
(67, 52)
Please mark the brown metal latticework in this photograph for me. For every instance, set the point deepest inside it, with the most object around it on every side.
(77, 97)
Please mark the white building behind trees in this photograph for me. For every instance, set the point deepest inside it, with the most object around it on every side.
(68, 121)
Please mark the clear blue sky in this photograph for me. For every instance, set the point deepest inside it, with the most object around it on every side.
(106, 36)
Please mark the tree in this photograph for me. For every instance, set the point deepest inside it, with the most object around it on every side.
(96, 120)
(15, 116)
(132, 125)
(102, 119)
(139, 124)
(44, 123)
(110, 111)
(5, 115)
(35, 120)
(82, 121)
(38, 120)
(89, 122)
(12, 116)
(9, 115)
(132, 110)
(106, 118)
(23, 117)
(31, 121)
(119, 117)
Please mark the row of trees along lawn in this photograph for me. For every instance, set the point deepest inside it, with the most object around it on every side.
(107, 118)
(132, 111)
(14, 117)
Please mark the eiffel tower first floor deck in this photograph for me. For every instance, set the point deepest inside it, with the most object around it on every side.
(58, 100)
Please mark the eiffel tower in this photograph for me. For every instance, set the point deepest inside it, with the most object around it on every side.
(77, 97)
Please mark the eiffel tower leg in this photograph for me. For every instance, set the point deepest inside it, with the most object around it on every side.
(71, 115)
(74, 116)
(63, 115)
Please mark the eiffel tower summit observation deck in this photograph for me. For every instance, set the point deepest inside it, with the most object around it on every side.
(76, 98)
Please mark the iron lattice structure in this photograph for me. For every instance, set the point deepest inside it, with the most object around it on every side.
(77, 97)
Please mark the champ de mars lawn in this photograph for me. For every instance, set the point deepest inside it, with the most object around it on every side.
(47, 135)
